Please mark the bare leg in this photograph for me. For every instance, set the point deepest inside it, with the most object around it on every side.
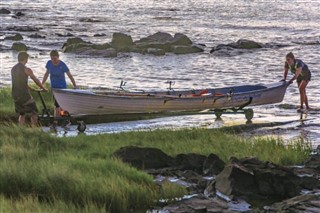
(34, 119)
(303, 94)
(57, 112)
(22, 120)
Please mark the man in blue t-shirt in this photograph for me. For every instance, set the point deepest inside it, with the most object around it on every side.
(57, 69)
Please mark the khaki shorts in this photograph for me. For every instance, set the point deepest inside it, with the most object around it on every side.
(26, 107)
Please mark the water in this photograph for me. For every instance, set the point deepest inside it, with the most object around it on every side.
(210, 22)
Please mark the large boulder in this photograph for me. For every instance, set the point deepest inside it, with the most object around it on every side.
(247, 44)
(74, 44)
(18, 46)
(257, 180)
(181, 39)
(16, 37)
(161, 37)
(190, 161)
(213, 165)
(122, 42)
(143, 158)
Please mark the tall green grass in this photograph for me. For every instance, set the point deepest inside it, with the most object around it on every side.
(79, 173)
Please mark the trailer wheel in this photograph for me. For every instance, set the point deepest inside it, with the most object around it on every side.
(249, 114)
(218, 113)
(81, 126)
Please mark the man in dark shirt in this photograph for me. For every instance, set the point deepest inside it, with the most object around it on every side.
(23, 101)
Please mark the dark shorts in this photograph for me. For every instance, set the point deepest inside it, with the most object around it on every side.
(305, 75)
(26, 107)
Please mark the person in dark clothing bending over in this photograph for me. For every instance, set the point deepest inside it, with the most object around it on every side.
(301, 73)
(23, 100)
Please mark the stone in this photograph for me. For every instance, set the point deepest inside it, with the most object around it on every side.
(190, 161)
(121, 42)
(4, 11)
(181, 39)
(143, 158)
(256, 180)
(213, 165)
(157, 52)
(16, 37)
(36, 35)
(187, 49)
(19, 46)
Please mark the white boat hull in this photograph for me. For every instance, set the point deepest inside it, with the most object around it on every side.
(84, 102)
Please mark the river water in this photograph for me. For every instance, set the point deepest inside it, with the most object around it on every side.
(211, 22)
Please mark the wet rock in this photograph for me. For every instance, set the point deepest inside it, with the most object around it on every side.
(89, 20)
(19, 14)
(106, 53)
(181, 39)
(302, 203)
(190, 161)
(197, 205)
(157, 52)
(187, 49)
(16, 37)
(247, 44)
(143, 158)
(257, 180)
(213, 165)
(64, 35)
(23, 28)
(4, 11)
(313, 162)
(36, 35)
(121, 42)
(19, 46)
(99, 35)
(74, 44)
(157, 37)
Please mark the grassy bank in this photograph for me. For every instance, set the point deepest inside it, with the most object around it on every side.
(41, 172)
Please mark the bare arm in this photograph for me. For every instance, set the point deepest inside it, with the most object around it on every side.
(298, 72)
(285, 73)
(71, 79)
(45, 77)
(29, 72)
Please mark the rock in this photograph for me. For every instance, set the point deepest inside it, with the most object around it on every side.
(36, 35)
(121, 42)
(157, 52)
(74, 44)
(19, 14)
(4, 11)
(181, 39)
(302, 203)
(213, 165)
(16, 37)
(257, 180)
(23, 28)
(143, 158)
(187, 49)
(198, 205)
(190, 161)
(19, 46)
(313, 162)
(157, 37)
(106, 53)
(89, 20)
(99, 35)
(64, 35)
(247, 44)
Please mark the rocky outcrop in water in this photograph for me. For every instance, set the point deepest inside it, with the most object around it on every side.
(4, 11)
(157, 44)
(16, 37)
(218, 187)
(242, 46)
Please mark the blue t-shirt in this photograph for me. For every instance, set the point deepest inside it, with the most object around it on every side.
(57, 72)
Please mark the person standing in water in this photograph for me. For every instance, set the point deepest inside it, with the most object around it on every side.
(301, 73)
(57, 69)
(23, 100)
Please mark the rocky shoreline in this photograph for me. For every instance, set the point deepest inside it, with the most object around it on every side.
(240, 185)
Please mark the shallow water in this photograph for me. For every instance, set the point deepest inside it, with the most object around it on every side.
(209, 22)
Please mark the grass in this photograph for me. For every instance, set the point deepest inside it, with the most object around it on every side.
(42, 173)
(75, 174)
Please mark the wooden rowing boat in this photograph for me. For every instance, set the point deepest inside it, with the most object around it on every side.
(88, 102)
